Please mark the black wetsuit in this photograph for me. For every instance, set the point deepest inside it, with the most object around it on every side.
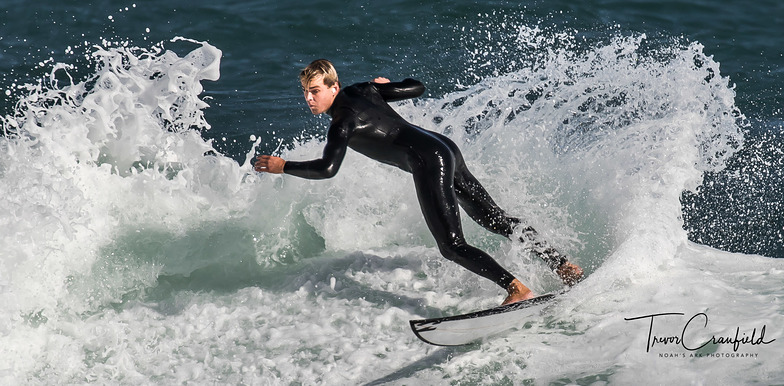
(363, 121)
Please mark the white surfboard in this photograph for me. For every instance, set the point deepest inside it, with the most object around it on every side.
(463, 329)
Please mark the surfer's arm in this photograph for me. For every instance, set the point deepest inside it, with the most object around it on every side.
(395, 91)
(325, 167)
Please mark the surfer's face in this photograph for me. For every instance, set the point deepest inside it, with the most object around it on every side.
(318, 95)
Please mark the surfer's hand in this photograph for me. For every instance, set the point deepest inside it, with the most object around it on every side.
(269, 164)
(381, 80)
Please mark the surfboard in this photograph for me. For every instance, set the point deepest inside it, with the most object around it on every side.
(463, 329)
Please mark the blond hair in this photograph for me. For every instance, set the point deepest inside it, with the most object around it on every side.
(319, 67)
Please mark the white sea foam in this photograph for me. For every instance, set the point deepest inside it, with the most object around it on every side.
(132, 256)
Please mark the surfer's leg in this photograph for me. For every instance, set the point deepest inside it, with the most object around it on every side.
(476, 201)
(569, 272)
(478, 204)
(434, 181)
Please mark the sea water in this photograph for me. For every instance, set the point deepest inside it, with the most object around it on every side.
(139, 246)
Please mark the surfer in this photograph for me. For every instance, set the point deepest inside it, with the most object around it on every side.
(363, 120)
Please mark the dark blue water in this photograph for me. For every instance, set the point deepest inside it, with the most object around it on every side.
(265, 43)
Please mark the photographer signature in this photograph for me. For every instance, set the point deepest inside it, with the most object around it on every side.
(756, 338)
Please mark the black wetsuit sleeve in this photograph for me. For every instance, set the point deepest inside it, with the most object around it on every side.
(329, 163)
(395, 91)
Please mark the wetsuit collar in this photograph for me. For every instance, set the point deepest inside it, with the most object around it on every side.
(335, 104)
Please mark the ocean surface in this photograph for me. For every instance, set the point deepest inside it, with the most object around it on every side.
(138, 247)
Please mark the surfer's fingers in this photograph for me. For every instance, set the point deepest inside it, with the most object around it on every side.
(262, 163)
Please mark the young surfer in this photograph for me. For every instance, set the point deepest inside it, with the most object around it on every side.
(363, 121)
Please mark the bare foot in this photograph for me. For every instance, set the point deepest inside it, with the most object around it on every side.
(517, 292)
(570, 273)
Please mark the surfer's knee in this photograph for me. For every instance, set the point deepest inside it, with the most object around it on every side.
(453, 249)
(500, 223)
(459, 251)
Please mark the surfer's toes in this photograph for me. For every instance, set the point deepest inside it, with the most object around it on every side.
(569, 273)
(517, 293)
